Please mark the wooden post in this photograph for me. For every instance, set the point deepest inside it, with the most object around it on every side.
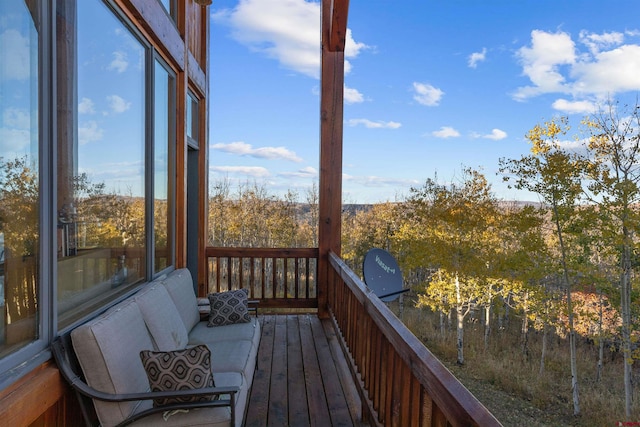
(331, 118)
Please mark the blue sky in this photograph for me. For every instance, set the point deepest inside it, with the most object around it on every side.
(431, 87)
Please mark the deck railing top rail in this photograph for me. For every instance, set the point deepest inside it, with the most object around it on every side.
(456, 403)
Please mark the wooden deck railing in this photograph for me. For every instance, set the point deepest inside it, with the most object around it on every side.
(280, 278)
(403, 383)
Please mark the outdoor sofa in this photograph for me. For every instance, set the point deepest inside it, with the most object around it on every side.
(161, 324)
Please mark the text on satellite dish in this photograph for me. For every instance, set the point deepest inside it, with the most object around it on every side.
(384, 266)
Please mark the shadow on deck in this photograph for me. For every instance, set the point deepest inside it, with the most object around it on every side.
(302, 378)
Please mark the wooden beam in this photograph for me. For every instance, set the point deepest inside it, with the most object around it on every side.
(338, 25)
(32, 396)
(330, 185)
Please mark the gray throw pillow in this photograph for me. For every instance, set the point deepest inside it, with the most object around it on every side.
(187, 369)
(229, 307)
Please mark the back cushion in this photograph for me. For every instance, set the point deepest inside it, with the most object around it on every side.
(180, 287)
(108, 349)
(162, 318)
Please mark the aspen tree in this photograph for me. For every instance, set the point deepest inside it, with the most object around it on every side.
(555, 174)
(614, 149)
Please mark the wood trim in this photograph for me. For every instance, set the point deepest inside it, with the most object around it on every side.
(32, 396)
(261, 252)
(151, 16)
(197, 77)
(338, 29)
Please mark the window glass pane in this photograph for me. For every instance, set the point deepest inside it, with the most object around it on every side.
(101, 161)
(19, 169)
(164, 138)
(192, 119)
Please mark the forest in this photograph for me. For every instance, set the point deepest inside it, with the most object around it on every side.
(537, 300)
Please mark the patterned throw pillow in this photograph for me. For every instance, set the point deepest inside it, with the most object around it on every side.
(187, 369)
(229, 307)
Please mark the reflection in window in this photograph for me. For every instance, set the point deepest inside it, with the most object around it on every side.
(19, 170)
(192, 120)
(164, 139)
(170, 6)
(101, 158)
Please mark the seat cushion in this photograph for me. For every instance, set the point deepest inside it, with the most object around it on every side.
(202, 334)
(180, 287)
(162, 318)
(210, 417)
(108, 349)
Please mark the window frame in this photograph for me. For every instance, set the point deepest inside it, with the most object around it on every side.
(19, 363)
(13, 366)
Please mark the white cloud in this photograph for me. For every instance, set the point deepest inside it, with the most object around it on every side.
(596, 42)
(13, 140)
(16, 118)
(118, 104)
(379, 181)
(554, 64)
(352, 96)
(85, 106)
(285, 30)
(119, 62)
(15, 134)
(446, 132)
(374, 125)
(541, 61)
(427, 94)
(244, 149)
(476, 57)
(307, 172)
(609, 72)
(253, 171)
(15, 51)
(574, 107)
(352, 49)
(89, 132)
(496, 135)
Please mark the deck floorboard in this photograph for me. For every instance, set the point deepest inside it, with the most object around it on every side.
(298, 380)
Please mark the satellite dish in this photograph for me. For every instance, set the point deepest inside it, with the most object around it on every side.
(382, 274)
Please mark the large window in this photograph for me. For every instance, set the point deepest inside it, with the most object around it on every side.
(101, 152)
(116, 109)
(87, 168)
(19, 175)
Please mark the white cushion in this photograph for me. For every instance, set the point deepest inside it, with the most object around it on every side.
(180, 287)
(162, 318)
(108, 349)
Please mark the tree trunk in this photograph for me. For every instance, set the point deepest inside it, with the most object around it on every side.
(524, 333)
(600, 342)
(543, 353)
(459, 324)
(487, 325)
(572, 336)
(625, 306)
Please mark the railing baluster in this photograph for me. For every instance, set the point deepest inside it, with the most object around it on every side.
(285, 276)
(263, 276)
(252, 277)
(295, 277)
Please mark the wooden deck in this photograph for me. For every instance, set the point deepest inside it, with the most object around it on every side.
(302, 378)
